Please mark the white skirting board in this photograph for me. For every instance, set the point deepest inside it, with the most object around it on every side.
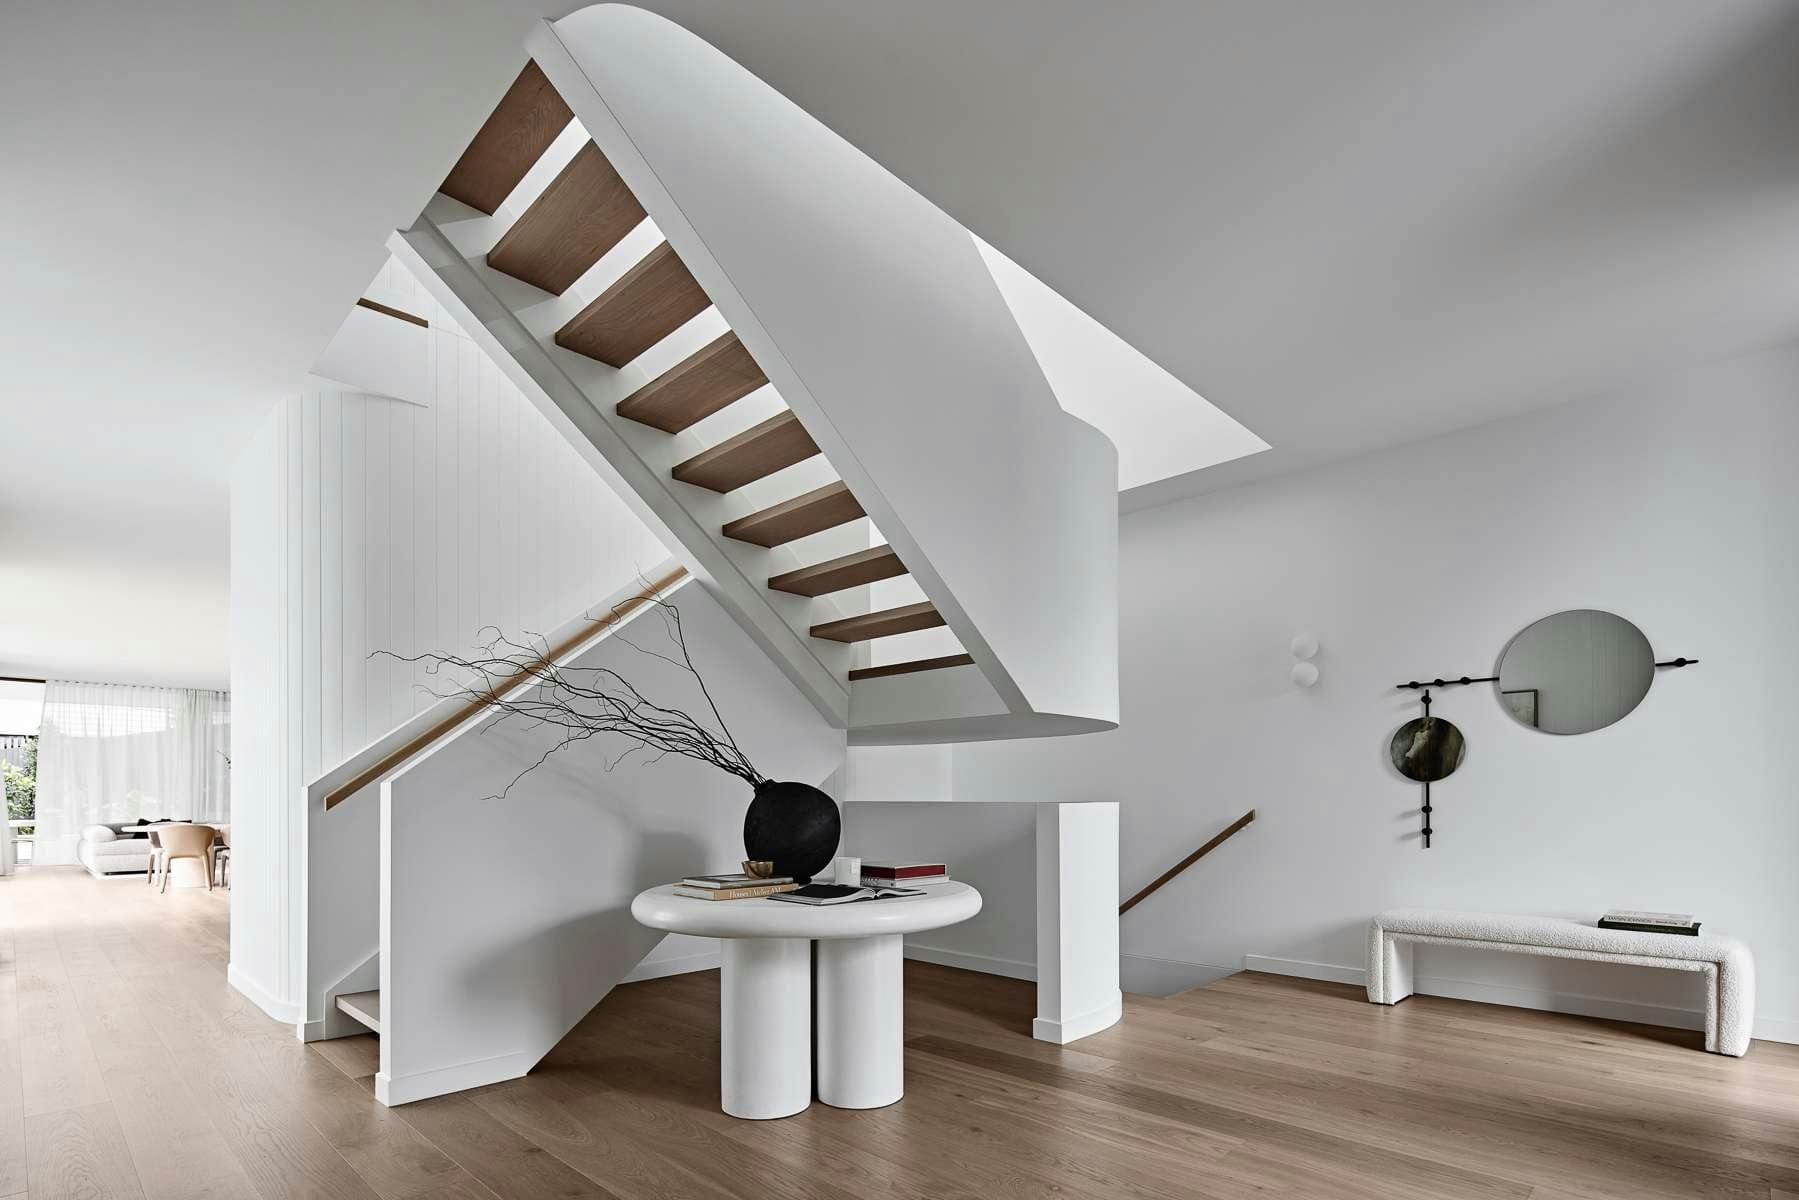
(1768, 1029)
(986, 964)
(457, 1078)
(662, 968)
(283, 1011)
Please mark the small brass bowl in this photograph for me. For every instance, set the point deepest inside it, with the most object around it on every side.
(761, 868)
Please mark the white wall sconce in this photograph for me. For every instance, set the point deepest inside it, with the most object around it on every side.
(1304, 672)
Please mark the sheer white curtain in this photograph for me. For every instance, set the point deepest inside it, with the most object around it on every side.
(111, 752)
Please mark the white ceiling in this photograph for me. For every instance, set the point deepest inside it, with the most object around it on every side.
(1348, 226)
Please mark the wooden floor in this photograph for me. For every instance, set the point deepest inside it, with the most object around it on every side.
(129, 1068)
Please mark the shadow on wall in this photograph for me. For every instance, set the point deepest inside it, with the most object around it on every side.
(618, 942)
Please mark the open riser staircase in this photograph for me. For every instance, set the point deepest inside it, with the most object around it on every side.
(802, 374)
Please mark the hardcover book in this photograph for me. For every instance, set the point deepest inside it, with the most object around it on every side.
(843, 893)
(903, 870)
(736, 893)
(1650, 922)
(733, 881)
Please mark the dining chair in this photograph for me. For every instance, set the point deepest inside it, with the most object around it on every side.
(187, 841)
(155, 856)
(221, 856)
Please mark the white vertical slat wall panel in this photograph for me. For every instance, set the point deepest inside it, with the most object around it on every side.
(363, 524)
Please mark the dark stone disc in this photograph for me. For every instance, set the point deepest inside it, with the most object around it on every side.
(1427, 749)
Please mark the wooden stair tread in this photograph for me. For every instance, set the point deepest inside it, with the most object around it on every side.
(514, 136)
(820, 509)
(701, 384)
(584, 212)
(364, 1006)
(847, 571)
(651, 301)
(907, 618)
(917, 664)
(758, 451)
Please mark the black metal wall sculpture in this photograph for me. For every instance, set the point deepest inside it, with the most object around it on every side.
(1427, 749)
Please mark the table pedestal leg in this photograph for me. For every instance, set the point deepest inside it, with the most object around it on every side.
(861, 1021)
(765, 1025)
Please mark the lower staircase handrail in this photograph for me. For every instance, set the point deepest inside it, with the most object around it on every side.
(395, 758)
(1192, 858)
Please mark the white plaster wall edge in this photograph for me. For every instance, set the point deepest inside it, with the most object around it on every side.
(1767, 1029)
(457, 1078)
(281, 1010)
(1075, 1028)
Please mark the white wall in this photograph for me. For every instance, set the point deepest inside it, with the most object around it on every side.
(361, 524)
(505, 921)
(1672, 503)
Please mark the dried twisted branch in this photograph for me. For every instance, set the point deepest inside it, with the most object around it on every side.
(518, 680)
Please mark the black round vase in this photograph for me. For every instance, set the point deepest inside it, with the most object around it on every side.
(793, 824)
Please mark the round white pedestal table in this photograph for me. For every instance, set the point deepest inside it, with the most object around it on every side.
(765, 1005)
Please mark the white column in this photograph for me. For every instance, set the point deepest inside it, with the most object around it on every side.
(861, 1021)
(1077, 921)
(765, 1023)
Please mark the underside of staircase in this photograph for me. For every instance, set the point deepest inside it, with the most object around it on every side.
(566, 272)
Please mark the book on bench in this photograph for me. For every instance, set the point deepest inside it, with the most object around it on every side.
(1650, 922)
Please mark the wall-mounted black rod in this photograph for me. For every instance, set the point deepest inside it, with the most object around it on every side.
(1427, 808)
(1416, 684)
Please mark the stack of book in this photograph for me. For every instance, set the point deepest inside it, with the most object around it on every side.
(1650, 922)
(733, 887)
(902, 874)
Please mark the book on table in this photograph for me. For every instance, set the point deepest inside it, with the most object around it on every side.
(763, 888)
(843, 893)
(881, 881)
(1650, 922)
(896, 872)
(733, 880)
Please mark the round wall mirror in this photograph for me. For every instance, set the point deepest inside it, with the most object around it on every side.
(1575, 671)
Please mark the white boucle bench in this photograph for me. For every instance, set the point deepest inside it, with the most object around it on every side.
(1726, 963)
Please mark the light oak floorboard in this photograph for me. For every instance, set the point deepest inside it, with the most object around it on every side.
(80, 1154)
(12, 1094)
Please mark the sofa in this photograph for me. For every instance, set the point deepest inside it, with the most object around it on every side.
(103, 850)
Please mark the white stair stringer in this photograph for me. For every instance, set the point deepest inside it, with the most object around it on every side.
(635, 461)
(875, 317)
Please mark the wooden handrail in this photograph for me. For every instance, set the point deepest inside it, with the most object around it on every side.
(387, 310)
(1192, 858)
(475, 704)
